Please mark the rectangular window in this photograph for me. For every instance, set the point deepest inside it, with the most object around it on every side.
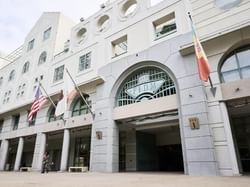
(165, 26)
(46, 34)
(85, 61)
(31, 45)
(120, 46)
(58, 74)
(1, 125)
(15, 121)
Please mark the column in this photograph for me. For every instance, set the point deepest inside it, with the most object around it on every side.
(19, 154)
(4, 153)
(65, 150)
(39, 151)
(228, 131)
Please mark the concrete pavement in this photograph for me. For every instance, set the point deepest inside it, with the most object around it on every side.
(89, 179)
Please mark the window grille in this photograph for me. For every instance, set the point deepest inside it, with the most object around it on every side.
(145, 84)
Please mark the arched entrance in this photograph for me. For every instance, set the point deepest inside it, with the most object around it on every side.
(147, 115)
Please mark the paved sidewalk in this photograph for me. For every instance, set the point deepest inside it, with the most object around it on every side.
(34, 179)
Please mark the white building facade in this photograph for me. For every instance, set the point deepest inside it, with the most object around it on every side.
(134, 62)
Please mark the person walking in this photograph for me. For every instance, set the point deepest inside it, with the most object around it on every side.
(45, 167)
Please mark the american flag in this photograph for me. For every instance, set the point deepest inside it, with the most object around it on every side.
(39, 101)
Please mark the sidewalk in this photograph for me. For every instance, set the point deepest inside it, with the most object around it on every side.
(34, 179)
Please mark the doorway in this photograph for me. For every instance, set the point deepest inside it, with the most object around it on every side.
(152, 147)
(239, 112)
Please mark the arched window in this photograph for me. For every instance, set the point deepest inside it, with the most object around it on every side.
(12, 75)
(80, 107)
(236, 65)
(42, 57)
(52, 116)
(26, 67)
(145, 84)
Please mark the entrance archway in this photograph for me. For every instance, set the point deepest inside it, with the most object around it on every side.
(149, 137)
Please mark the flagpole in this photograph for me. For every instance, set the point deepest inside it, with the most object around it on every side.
(213, 89)
(40, 84)
(79, 91)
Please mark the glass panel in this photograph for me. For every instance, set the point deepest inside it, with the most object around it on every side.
(229, 64)
(245, 72)
(244, 58)
(231, 76)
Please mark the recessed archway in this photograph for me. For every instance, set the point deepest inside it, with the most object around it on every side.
(149, 136)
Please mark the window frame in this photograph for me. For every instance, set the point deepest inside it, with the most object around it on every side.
(82, 109)
(86, 64)
(58, 73)
(26, 67)
(238, 68)
(117, 44)
(52, 117)
(1, 125)
(15, 122)
(42, 58)
(31, 44)
(11, 75)
(47, 33)
(166, 22)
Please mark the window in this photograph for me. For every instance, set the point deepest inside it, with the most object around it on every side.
(165, 26)
(12, 75)
(58, 74)
(85, 61)
(120, 46)
(20, 90)
(1, 125)
(236, 66)
(42, 57)
(80, 107)
(31, 45)
(145, 84)
(46, 34)
(26, 67)
(81, 35)
(15, 121)
(129, 8)
(103, 23)
(6, 97)
(1, 81)
(52, 116)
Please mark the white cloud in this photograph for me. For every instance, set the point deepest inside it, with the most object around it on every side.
(17, 17)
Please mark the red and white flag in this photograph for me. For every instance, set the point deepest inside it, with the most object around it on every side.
(39, 101)
(202, 61)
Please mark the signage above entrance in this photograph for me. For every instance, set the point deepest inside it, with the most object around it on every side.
(144, 87)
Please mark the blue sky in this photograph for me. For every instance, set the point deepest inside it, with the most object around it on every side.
(17, 17)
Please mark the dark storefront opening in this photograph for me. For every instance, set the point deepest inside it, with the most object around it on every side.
(239, 112)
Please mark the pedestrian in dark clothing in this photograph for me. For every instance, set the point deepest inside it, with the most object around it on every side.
(45, 167)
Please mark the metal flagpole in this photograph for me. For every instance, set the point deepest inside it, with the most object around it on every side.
(40, 84)
(213, 89)
(79, 91)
